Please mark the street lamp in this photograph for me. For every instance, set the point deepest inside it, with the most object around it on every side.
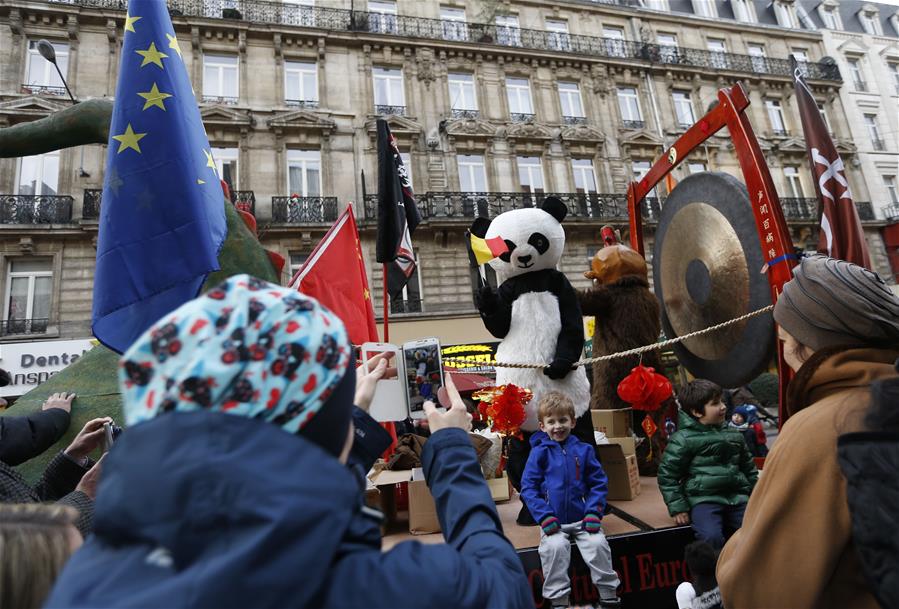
(49, 53)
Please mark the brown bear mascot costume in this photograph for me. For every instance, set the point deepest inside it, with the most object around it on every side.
(627, 316)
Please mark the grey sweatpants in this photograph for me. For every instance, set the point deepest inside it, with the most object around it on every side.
(555, 557)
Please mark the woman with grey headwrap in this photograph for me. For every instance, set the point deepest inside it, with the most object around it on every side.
(839, 324)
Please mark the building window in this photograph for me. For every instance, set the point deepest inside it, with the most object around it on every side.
(570, 98)
(455, 26)
(668, 44)
(855, 70)
(683, 109)
(758, 58)
(389, 93)
(824, 116)
(656, 5)
(301, 83)
(530, 174)
(508, 31)
(461, 91)
(38, 175)
(794, 187)
(584, 176)
(226, 165)
(783, 11)
(29, 290)
(641, 168)
(558, 35)
(629, 105)
(382, 16)
(873, 131)
(705, 8)
(743, 11)
(776, 117)
(410, 301)
(304, 173)
(40, 72)
(695, 168)
(407, 166)
(472, 177)
(220, 82)
(297, 12)
(889, 182)
(718, 51)
(297, 260)
(801, 57)
(871, 22)
(518, 92)
(894, 70)
(829, 17)
(614, 41)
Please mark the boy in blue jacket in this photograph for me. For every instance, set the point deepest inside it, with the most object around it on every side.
(564, 488)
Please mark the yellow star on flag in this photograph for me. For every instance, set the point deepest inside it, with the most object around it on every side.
(129, 139)
(151, 55)
(209, 161)
(365, 294)
(173, 43)
(199, 181)
(154, 97)
(130, 21)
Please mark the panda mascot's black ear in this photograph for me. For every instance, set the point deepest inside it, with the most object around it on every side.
(555, 208)
(479, 227)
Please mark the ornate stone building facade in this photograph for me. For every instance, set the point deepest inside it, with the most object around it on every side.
(494, 104)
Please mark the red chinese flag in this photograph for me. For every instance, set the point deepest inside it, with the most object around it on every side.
(334, 274)
(841, 230)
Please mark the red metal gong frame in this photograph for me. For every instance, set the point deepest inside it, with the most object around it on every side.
(774, 237)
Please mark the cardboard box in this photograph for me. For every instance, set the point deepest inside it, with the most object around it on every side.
(613, 423)
(627, 443)
(422, 511)
(500, 488)
(621, 469)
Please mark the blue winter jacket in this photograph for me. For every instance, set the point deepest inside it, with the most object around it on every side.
(213, 510)
(563, 480)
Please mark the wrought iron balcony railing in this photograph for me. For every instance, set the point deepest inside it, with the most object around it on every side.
(865, 211)
(466, 206)
(521, 117)
(307, 104)
(460, 113)
(878, 144)
(807, 209)
(90, 204)
(390, 110)
(408, 305)
(245, 200)
(574, 120)
(35, 209)
(891, 212)
(261, 11)
(44, 90)
(780, 132)
(860, 85)
(218, 99)
(633, 124)
(9, 327)
(304, 210)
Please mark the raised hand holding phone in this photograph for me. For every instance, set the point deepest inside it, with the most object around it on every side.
(456, 416)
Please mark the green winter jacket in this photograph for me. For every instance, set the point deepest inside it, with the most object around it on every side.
(704, 464)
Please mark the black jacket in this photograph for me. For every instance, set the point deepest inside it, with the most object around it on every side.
(869, 461)
(23, 438)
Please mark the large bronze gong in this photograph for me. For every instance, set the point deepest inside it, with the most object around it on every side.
(706, 270)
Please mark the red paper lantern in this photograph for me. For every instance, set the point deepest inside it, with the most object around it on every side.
(644, 388)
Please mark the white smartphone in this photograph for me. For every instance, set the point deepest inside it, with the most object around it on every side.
(389, 401)
(423, 374)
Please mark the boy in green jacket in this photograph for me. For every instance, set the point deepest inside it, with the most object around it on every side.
(707, 472)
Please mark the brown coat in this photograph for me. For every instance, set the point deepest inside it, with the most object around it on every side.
(795, 549)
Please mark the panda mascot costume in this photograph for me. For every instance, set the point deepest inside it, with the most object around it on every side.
(535, 313)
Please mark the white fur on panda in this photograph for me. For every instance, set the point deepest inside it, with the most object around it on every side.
(536, 323)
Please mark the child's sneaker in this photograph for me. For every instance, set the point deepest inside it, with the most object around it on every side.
(610, 603)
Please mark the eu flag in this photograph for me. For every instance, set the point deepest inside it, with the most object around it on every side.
(162, 220)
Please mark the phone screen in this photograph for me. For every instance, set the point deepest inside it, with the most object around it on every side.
(423, 374)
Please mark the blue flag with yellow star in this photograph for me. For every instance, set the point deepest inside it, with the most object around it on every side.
(162, 219)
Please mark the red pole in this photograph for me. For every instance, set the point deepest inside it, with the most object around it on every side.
(386, 299)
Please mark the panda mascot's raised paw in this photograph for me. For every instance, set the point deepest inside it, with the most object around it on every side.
(535, 309)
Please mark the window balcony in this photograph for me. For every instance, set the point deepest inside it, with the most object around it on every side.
(521, 117)
(860, 85)
(245, 200)
(406, 27)
(36, 209)
(12, 327)
(574, 120)
(44, 90)
(891, 212)
(306, 104)
(878, 144)
(461, 113)
(633, 124)
(217, 99)
(780, 132)
(304, 210)
(408, 305)
(805, 209)
(384, 110)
